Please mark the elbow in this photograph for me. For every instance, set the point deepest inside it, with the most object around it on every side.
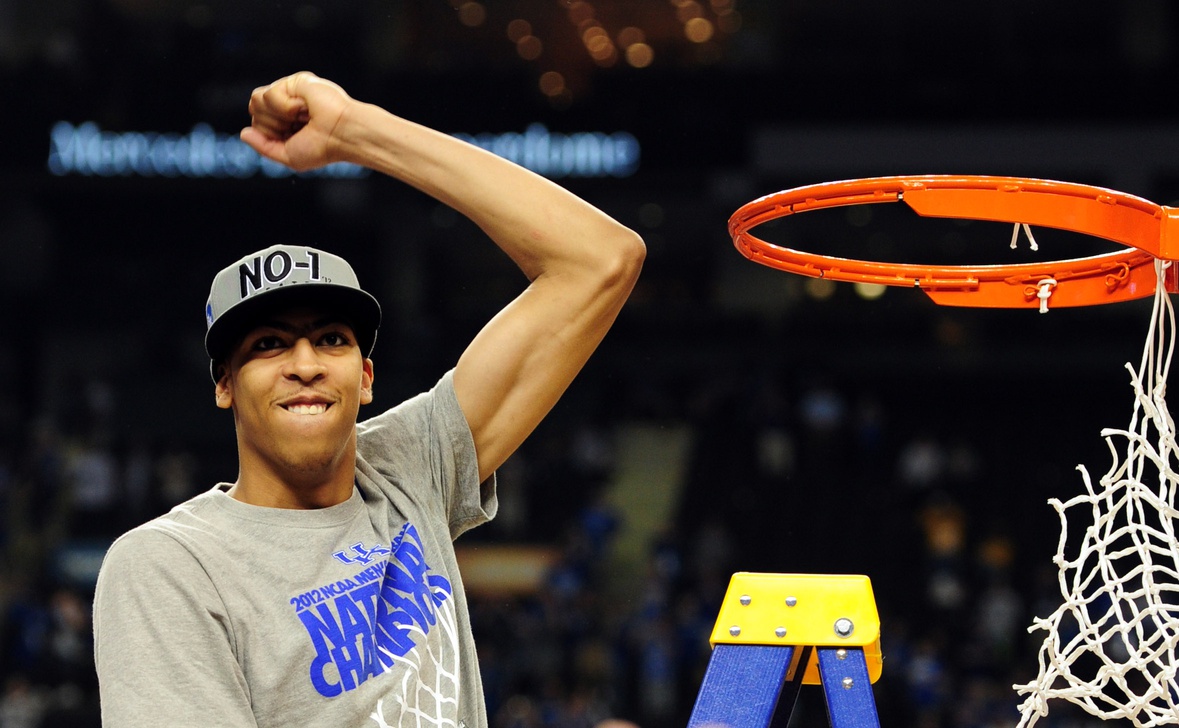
(605, 264)
(626, 262)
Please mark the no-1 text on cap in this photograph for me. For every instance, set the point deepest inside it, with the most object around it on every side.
(282, 276)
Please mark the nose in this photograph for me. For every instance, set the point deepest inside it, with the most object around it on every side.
(303, 362)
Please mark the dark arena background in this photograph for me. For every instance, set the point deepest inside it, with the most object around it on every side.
(735, 419)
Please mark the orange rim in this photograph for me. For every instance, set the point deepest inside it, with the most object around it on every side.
(1150, 230)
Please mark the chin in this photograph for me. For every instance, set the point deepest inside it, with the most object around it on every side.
(316, 462)
(304, 458)
(303, 454)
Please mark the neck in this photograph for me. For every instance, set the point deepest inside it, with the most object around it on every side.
(263, 482)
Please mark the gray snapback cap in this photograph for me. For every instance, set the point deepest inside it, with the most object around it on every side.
(279, 277)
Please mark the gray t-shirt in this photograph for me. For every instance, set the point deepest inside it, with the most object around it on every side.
(226, 614)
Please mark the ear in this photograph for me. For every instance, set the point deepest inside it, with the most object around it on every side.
(223, 390)
(366, 382)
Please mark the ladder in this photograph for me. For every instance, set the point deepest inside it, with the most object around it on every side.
(777, 632)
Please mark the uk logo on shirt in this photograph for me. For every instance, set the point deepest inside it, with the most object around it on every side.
(363, 625)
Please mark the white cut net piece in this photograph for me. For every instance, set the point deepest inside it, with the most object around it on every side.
(1111, 646)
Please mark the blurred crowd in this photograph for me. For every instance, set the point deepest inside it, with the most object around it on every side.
(818, 481)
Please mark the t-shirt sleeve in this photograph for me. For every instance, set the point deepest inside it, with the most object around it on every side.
(162, 640)
(426, 443)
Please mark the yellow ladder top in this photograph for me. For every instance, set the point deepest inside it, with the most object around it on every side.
(816, 610)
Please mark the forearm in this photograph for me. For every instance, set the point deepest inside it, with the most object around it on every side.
(541, 226)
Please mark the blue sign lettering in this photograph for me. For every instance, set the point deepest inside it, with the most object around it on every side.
(88, 150)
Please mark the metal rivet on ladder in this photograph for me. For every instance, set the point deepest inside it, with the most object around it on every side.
(781, 631)
(734, 630)
(791, 601)
(841, 654)
(844, 627)
(745, 600)
(847, 683)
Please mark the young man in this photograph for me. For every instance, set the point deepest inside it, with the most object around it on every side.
(320, 588)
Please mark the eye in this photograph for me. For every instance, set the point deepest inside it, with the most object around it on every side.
(266, 343)
(335, 338)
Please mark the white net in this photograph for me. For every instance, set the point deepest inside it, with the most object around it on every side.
(1111, 646)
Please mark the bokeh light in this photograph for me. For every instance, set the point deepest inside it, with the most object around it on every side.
(820, 289)
(870, 291)
(551, 83)
(472, 14)
(630, 35)
(640, 55)
(699, 30)
(519, 29)
(529, 47)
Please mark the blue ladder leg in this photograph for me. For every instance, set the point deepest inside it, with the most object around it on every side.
(850, 703)
(741, 686)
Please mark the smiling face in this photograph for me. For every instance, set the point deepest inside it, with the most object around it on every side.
(295, 384)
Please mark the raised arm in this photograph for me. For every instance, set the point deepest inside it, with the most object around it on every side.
(581, 264)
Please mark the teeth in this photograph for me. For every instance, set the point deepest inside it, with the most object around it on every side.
(307, 409)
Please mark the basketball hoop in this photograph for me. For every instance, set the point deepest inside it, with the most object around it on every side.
(1150, 231)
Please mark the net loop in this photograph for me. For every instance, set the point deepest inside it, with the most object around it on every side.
(1043, 291)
